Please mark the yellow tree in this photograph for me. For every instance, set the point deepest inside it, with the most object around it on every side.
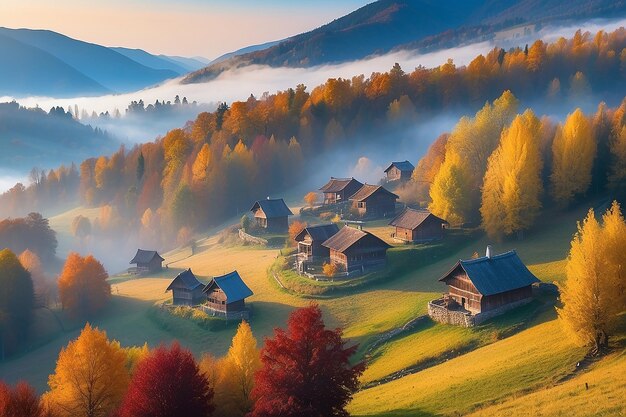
(617, 145)
(310, 198)
(201, 166)
(451, 192)
(573, 152)
(512, 185)
(590, 295)
(90, 378)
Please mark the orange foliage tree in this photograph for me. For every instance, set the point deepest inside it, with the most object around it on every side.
(83, 289)
(295, 228)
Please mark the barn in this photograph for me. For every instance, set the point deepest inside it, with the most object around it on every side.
(227, 294)
(272, 215)
(487, 286)
(374, 201)
(186, 289)
(338, 190)
(354, 250)
(399, 171)
(147, 261)
(418, 226)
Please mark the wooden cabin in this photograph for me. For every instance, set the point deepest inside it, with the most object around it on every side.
(147, 261)
(418, 226)
(374, 201)
(489, 283)
(354, 250)
(311, 238)
(399, 171)
(186, 289)
(338, 190)
(272, 215)
(227, 294)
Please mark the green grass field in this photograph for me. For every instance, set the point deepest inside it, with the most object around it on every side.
(494, 369)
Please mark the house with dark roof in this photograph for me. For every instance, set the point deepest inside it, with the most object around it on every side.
(418, 226)
(399, 171)
(147, 261)
(482, 288)
(272, 214)
(227, 294)
(338, 190)
(311, 238)
(186, 289)
(354, 250)
(374, 201)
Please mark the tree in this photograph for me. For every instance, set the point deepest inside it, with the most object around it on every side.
(81, 227)
(573, 152)
(168, 383)
(83, 286)
(141, 167)
(310, 198)
(306, 370)
(90, 377)
(451, 192)
(16, 302)
(513, 186)
(329, 269)
(20, 401)
(41, 283)
(245, 223)
(294, 230)
(593, 293)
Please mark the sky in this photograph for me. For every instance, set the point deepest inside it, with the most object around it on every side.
(206, 28)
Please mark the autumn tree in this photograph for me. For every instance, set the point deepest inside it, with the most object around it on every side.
(16, 302)
(310, 198)
(450, 191)
(83, 286)
(80, 227)
(41, 283)
(168, 383)
(513, 186)
(573, 152)
(90, 377)
(294, 230)
(329, 269)
(306, 370)
(20, 401)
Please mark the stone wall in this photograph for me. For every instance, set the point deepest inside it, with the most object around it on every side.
(439, 313)
(252, 239)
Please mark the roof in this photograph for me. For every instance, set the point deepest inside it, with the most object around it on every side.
(232, 285)
(348, 236)
(402, 166)
(320, 232)
(336, 185)
(188, 279)
(498, 274)
(145, 256)
(367, 191)
(272, 208)
(411, 218)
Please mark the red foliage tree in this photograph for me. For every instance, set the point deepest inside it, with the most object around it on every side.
(21, 401)
(306, 370)
(168, 383)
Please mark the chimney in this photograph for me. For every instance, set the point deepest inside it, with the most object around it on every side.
(488, 252)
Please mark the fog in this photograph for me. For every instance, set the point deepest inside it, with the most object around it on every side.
(8, 178)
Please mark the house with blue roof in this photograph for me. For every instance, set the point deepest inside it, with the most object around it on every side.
(227, 294)
(399, 171)
(186, 289)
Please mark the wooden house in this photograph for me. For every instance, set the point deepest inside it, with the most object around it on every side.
(147, 261)
(227, 294)
(186, 289)
(374, 201)
(489, 283)
(418, 226)
(338, 190)
(399, 171)
(311, 238)
(272, 214)
(354, 250)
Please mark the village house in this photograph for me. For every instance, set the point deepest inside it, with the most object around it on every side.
(374, 201)
(186, 289)
(418, 226)
(272, 215)
(399, 171)
(147, 261)
(226, 295)
(482, 288)
(355, 250)
(338, 190)
(311, 238)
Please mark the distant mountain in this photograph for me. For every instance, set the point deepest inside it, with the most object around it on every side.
(385, 25)
(152, 61)
(191, 64)
(243, 51)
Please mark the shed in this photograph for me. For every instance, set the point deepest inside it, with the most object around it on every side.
(418, 226)
(272, 214)
(338, 190)
(374, 201)
(356, 250)
(147, 260)
(311, 238)
(401, 171)
(186, 289)
(227, 293)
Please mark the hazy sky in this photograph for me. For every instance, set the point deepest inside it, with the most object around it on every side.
(206, 28)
